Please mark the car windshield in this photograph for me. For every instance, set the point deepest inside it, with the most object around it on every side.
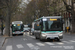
(26, 28)
(32, 29)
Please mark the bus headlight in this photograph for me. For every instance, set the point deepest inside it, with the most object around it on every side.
(61, 34)
(43, 35)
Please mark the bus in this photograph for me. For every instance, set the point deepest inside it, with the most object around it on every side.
(49, 27)
(17, 27)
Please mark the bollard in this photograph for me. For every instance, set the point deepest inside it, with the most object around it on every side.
(67, 29)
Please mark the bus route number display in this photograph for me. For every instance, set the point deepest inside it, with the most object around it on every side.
(18, 24)
(53, 19)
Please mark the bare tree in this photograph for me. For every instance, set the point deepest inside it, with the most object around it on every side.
(10, 8)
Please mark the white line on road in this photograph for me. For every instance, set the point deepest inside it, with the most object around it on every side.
(24, 39)
(49, 43)
(72, 41)
(67, 42)
(40, 44)
(60, 43)
(30, 45)
(9, 47)
(64, 41)
(32, 36)
(19, 46)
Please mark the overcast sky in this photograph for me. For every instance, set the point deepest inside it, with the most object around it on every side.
(26, 1)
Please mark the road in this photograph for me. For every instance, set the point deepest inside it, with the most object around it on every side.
(28, 42)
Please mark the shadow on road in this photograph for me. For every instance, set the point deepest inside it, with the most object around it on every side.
(18, 35)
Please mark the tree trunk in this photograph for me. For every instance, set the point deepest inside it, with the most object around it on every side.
(7, 23)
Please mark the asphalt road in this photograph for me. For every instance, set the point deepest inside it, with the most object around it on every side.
(28, 42)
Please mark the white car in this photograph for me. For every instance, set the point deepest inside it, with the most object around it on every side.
(26, 29)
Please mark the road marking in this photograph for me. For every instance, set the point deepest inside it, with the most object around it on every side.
(64, 41)
(19, 46)
(49, 43)
(32, 36)
(30, 45)
(60, 43)
(40, 44)
(24, 39)
(9, 47)
(72, 41)
(67, 42)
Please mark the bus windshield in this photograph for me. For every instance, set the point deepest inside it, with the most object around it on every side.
(52, 25)
(17, 28)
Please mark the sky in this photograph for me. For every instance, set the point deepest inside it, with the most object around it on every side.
(26, 1)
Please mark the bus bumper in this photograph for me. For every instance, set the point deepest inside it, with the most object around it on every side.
(52, 37)
(18, 32)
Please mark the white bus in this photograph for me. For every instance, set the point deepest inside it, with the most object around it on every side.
(50, 27)
(17, 27)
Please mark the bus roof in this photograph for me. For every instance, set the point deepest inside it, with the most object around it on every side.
(17, 22)
(52, 17)
(48, 17)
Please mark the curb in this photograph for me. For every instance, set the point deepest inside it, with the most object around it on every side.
(2, 43)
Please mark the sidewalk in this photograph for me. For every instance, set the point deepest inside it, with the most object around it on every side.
(2, 39)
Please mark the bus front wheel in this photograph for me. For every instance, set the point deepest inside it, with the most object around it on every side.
(58, 39)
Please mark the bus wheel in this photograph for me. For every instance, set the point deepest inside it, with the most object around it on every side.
(58, 40)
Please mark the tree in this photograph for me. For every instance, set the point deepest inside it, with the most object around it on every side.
(10, 8)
